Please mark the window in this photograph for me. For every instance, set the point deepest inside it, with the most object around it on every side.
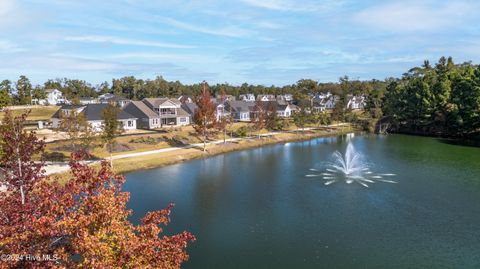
(183, 120)
(130, 123)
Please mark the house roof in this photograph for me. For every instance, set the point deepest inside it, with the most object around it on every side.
(140, 110)
(93, 112)
(156, 102)
(182, 112)
(56, 115)
(50, 90)
(189, 108)
(241, 106)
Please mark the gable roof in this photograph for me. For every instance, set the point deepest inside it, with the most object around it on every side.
(241, 106)
(156, 102)
(93, 112)
(140, 110)
(56, 115)
(51, 90)
(189, 108)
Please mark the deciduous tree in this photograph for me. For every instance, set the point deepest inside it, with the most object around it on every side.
(18, 148)
(204, 119)
(78, 130)
(81, 224)
(111, 128)
(259, 115)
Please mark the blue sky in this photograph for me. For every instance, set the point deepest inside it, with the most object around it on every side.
(261, 42)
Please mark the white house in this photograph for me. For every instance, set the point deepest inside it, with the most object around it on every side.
(285, 97)
(93, 115)
(266, 97)
(109, 98)
(356, 102)
(247, 97)
(241, 110)
(170, 111)
(54, 97)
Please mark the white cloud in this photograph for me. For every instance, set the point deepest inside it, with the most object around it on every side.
(229, 31)
(290, 5)
(407, 16)
(6, 6)
(7, 46)
(123, 41)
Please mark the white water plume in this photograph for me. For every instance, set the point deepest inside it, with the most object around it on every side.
(350, 167)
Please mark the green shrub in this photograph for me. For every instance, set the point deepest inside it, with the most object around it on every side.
(242, 131)
(54, 156)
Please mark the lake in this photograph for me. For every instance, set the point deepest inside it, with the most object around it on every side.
(258, 209)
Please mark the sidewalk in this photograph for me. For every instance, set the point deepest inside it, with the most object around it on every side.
(64, 167)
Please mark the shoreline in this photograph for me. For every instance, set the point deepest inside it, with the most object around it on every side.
(134, 164)
(172, 156)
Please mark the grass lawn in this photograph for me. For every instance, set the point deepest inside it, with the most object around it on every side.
(37, 113)
(131, 143)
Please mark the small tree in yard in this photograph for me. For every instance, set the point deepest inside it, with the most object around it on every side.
(259, 117)
(321, 118)
(300, 118)
(271, 117)
(111, 128)
(18, 148)
(77, 128)
(204, 119)
(81, 224)
(226, 119)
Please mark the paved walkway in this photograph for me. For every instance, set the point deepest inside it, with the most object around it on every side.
(60, 167)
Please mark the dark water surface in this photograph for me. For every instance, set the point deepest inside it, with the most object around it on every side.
(256, 209)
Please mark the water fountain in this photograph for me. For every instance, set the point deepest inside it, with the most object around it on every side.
(350, 167)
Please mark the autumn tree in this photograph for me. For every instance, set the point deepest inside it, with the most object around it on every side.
(204, 118)
(111, 128)
(259, 116)
(226, 117)
(77, 128)
(18, 148)
(83, 223)
(271, 117)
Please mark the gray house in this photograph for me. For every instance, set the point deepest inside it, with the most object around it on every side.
(146, 117)
(241, 110)
(170, 111)
(93, 115)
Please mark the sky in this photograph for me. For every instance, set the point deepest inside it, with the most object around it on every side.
(255, 41)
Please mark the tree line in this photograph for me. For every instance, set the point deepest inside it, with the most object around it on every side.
(22, 91)
(443, 99)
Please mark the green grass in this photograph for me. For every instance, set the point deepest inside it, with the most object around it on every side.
(36, 114)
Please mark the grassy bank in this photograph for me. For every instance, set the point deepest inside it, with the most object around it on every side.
(181, 155)
(156, 160)
(43, 113)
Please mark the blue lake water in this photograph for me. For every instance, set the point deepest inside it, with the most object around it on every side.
(257, 209)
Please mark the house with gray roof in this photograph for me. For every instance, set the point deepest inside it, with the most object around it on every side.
(109, 98)
(146, 117)
(170, 111)
(93, 114)
(241, 110)
(282, 108)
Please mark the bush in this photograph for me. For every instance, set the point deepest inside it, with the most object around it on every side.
(54, 156)
(242, 131)
(146, 140)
